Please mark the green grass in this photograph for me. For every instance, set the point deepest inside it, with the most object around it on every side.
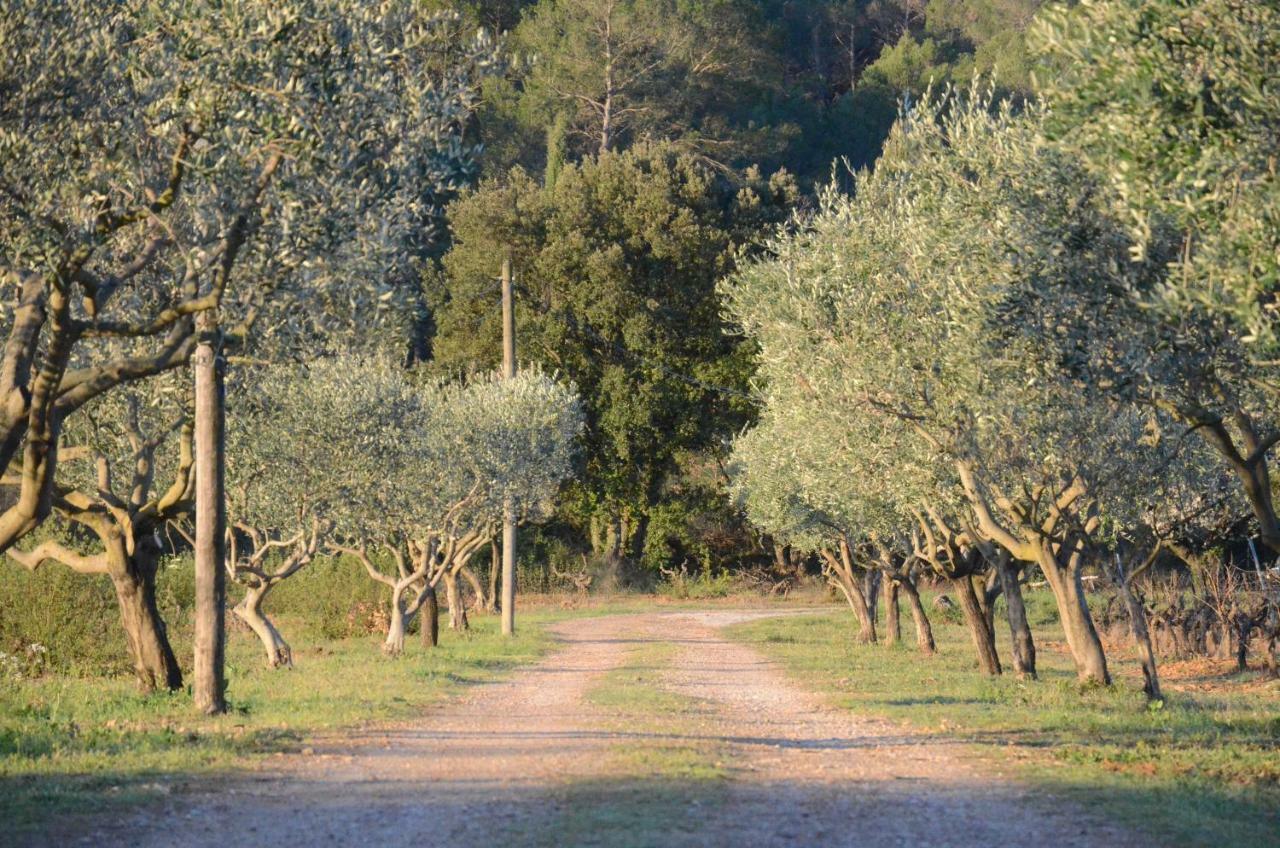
(662, 778)
(79, 744)
(635, 687)
(1203, 769)
(638, 703)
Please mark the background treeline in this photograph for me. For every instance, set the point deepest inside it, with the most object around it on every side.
(634, 153)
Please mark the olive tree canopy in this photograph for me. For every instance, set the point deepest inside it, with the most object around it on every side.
(920, 317)
(418, 472)
(161, 160)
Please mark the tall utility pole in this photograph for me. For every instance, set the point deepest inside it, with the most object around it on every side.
(209, 683)
(508, 509)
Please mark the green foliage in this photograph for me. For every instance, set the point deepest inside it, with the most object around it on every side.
(75, 617)
(331, 598)
(356, 444)
(800, 83)
(276, 168)
(1170, 108)
(1173, 104)
(245, 135)
(931, 320)
(616, 72)
(616, 266)
(701, 586)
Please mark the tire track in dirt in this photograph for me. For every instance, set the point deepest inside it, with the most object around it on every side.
(476, 765)
(509, 761)
(815, 775)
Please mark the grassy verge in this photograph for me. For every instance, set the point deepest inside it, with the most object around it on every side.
(75, 745)
(651, 719)
(1204, 769)
(663, 778)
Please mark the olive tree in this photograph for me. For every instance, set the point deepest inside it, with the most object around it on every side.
(164, 162)
(908, 311)
(1172, 108)
(800, 477)
(411, 478)
(284, 480)
(127, 476)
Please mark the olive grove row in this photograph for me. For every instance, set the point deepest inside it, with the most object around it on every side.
(264, 180)
(340, 456)
(1038, 337)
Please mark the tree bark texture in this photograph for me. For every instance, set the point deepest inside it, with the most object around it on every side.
(842, 574)
(393, 645)
(924, 632)
(249, 610)
(1077, 622)
(983, 642)
(1060, 559)
(892, 615)
(134, 581)
(431, 619)
(1024, 646)
(209, 681)
(457, 607)
(1141, 633)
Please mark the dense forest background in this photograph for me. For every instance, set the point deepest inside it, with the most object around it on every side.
(634, 151)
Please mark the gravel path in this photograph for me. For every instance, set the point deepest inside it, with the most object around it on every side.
(517, 762)
(819, 776)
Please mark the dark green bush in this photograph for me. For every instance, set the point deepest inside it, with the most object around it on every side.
(332, 598)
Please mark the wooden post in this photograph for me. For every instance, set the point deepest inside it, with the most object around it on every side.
(209, 681)
(509, 517)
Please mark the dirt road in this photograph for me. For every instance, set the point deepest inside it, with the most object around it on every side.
(727, 752)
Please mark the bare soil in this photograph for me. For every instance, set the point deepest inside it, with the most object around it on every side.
(531, 761)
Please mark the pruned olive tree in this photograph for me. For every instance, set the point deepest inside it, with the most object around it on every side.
(127, 475)
(1194, 506)
(909, 311)
(520, 437)
(415, 486)
(331, 446)
(288, 478)
(798, 476)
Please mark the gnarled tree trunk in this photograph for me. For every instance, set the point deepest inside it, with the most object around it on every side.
(1138, 626)
(431, 619)
(983, 642)
(1024, 646)
(457, 608)
(393, 645)
(476, 586)
(870, 589)
(924, 633)
(249, 610)
(1073, 609)
(402, 608)
(1060, 553)
(134, 581)
(133, 578)
(841, 574)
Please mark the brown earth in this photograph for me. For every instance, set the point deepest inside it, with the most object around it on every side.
(533, 761)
